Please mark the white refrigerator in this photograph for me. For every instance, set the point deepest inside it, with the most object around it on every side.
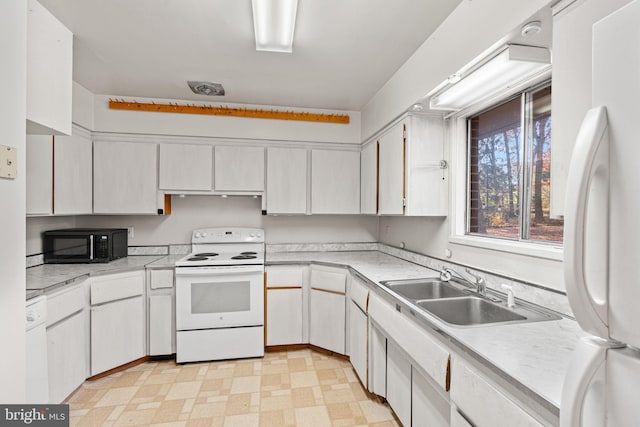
(602, 235)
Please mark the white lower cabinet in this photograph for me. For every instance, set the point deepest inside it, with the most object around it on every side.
(286, 316)
(377, 363)
(471, 390)
(161, 327)
(358, 341)
(457, 419)
(327, 308)
(399, 383)
(429, 404)
(117, 320)
(67, 342)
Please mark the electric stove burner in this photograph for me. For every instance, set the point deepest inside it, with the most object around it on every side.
(206, 254)
(197, 258)
(248, 253)
(244, 257)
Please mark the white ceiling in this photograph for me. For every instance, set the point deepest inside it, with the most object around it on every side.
(343, 50)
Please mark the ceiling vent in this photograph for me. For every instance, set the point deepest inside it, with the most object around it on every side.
(206, 88)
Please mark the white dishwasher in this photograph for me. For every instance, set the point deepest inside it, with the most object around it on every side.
(37, 372)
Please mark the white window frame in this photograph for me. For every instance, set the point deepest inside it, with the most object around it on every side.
(458, 140)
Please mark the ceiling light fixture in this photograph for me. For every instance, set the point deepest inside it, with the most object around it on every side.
(510, 66)
(274, 22)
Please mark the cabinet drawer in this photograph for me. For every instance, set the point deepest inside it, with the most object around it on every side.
(359, 293)
(116, 286)
(334, 281)
(65, 303)
(427, 353)
(471, 392)
(161, 279)
(284, 277)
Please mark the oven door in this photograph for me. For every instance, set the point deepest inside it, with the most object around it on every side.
(219, 297)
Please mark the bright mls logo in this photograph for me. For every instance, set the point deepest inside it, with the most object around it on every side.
(34, 415)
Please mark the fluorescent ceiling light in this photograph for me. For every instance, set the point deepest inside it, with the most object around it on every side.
(274, 22)
(510, 66)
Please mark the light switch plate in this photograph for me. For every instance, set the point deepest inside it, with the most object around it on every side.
(8, 162)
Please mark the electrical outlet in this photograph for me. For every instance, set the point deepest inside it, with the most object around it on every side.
(8, 162)
(130, 231)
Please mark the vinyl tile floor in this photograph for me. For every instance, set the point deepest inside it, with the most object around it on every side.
(286, 388)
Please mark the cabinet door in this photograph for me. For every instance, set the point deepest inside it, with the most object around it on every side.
(39, 159)
(185, 167)
(73, 168)
(117, 334)
(470, 391)
(427, 402)
(284, 316)
(391, 172)
(239, 169)
(335, 182)
(358, 341)
(327, 320)
(377, 360)
(571, 83)
(286, 180)
(124, 177)
(161, 328)
(369, 179)
(399, 383)
(49, 72)
(427, 184)
(66, 344)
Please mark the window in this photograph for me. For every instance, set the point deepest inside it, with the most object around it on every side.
(509, 170)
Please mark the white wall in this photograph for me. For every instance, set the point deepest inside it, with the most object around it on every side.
(13, 28)
(194, 212)
(471, 29)
(108, 120)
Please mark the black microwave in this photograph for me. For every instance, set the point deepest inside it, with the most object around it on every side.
(84, 245)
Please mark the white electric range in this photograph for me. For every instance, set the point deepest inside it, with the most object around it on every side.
(220, 296)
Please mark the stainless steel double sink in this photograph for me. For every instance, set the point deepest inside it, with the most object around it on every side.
(456, 305)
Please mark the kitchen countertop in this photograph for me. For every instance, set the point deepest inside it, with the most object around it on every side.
(533, 357)
(49, 277)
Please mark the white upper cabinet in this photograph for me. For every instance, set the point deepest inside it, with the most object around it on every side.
(571, 83)
(39, 161)
(124, 177)
(239, 168)
(286, 180)
(185, 167)
(369, 179)
(335, 182)
(412, 173)
(49, 72)
(72, 174)
(391, 171)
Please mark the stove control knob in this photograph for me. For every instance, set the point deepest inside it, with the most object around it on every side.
(197, 235)
(204, 234)
(259, 235)
(252, 235)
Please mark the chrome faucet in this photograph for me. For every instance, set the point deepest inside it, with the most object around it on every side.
(479, 282)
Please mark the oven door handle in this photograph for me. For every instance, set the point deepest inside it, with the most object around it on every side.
(207, 271)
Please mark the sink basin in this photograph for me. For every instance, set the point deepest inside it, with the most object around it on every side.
(469, 311)
(424, 289)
